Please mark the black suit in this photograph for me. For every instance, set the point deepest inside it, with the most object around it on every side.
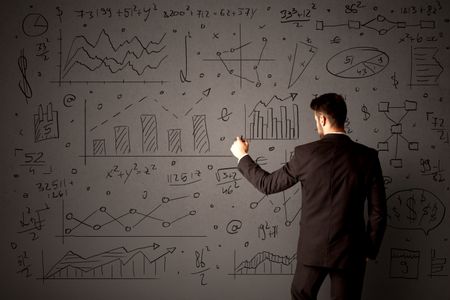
(337, 176)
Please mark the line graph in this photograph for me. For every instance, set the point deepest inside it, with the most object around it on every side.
(265, 263)
(119, 263)
(105, 60)
(104, 219)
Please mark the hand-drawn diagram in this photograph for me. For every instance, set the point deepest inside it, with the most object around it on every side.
(396, 114)
(358, 62)
(426, 69)
(102, 218)
(120, 263)
(130, 57)
(119, 119)
(149, 135)
(415, 209)
(380, 24)
(404, 263)
(228, 57)
(34, 25)
(303, 55)
(266, 263)
(270, 121)
(46, 124)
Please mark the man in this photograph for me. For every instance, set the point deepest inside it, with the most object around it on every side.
(337, 177)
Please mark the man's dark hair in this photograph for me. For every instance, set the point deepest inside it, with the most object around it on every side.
(333, 106)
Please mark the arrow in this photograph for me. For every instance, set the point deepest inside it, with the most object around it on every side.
(291, 96)
(169, 250)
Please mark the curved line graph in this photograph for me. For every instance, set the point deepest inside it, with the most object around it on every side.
(128, 54)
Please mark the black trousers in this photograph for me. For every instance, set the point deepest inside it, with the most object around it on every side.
(345, 284)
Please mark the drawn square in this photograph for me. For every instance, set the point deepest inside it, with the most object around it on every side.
(319, 25)
(383, 107)
(396, 163)
(410, 105)
(414, 146)
(404, 264)
(396, 129)
(354, 24)
(383, 146)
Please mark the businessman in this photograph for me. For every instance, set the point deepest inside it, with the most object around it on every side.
(337, 176)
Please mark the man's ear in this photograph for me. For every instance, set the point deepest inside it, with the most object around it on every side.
(322, 119)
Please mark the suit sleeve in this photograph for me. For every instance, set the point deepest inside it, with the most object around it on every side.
(377, 210)
(265, 182)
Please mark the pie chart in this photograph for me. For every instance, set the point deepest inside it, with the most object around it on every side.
(34, 25)
(357, 62)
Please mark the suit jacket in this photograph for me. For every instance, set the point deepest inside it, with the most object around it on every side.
(337, 177)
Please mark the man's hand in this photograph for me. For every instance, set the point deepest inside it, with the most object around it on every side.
(239, 148)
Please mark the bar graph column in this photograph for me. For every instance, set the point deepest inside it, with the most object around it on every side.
(174, 138)
(122, 139)
(149, 133)
(99, 147)
(201, 138)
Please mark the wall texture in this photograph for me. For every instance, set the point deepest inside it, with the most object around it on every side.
(117, 118)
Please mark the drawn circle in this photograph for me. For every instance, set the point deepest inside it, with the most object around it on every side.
(253, 205)
(34, 25)
(246, 244)
(269, 75)
(165, 224)
(232, 50)
(271, 148)
(68, 145)
(277, 209)
(192, 212)
(287, 223)
(119, 96)
(69, 216)
(74, 171)
(69, 99)
(132, 211)
(210, 167)
(173, 163)
(108, 193)
(196, 195)
(165, 200)
(218, 53)
(68, 230)
(258, 84)
(96, 227)
(102, 209)
(202, 75)
(99, 106)
(222, 138)
(127, 228)
(357, 62)
(234, 226)
(211, 205)
(216, 227)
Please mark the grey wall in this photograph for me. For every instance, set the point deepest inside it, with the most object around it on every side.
(117, 119)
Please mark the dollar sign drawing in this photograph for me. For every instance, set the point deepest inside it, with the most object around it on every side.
(395, 81)
(24, 85)
(412, 216)
(366, 113)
